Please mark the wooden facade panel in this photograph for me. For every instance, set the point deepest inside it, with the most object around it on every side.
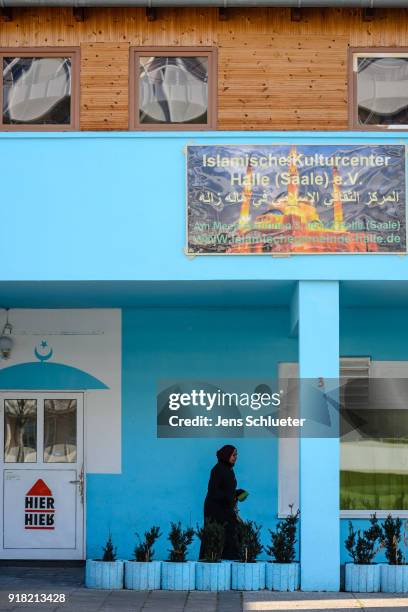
(284, 82)
(104, 86)
(272, 73)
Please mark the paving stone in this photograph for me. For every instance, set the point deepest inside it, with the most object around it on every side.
(83, 607)
(267, 601)
(70, 581)
(26, 607)
(129, 595)
(7, 607)
(376, 602)
(122, 608)
(199, 608)
(160, 605)
(229, 601)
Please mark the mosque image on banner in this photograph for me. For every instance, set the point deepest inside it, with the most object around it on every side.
(267, 199)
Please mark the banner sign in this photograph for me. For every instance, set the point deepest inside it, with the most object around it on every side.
(265, 199)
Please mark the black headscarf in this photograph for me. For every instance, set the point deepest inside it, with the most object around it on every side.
(224, 453)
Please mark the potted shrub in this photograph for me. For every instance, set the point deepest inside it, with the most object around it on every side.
(394, 575)
(363, 576)
(248, 574)
(143, 573)
(105, 573)
(282, 574)
(178, 574)
(211, 574)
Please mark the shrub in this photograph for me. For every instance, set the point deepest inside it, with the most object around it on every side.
(212, 537)
(144, 550)
(391, 540)
(364, 547)
(249, 541)
(180, 540)
(109, 551)
(284, 539)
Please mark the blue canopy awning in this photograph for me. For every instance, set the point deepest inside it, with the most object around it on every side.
(46, 376)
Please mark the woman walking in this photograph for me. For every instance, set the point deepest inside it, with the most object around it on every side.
(221, 501)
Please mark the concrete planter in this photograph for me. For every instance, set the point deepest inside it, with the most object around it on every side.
(178, 576)
(282, 576)
(394, 578)
(248, 576)
(213, 576)
(142, 575)
(104, 574)
(363, 578)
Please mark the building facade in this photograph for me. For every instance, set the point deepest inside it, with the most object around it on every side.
(107, 290)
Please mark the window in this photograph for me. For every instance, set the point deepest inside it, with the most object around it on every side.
(172, 89)
(379, 88)
(20, 431)
(40, 89)
(373, 443)
(60, 430)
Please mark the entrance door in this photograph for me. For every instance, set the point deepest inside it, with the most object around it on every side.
(42, 470)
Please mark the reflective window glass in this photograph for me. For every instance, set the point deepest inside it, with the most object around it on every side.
(374, 446)
(20, 431)
(173, 90)
(382, 90)
(37, 90)
(60, 430)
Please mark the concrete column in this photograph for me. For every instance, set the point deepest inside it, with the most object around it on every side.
(318, 313)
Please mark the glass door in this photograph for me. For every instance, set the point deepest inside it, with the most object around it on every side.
(43, 475)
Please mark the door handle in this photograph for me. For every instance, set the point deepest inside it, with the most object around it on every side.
(81, 483)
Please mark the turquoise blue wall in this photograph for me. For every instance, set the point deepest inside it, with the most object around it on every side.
(118, 200)
(207, 343)
(382, 334)
(166, 479)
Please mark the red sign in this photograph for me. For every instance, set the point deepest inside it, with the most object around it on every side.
(39, 507)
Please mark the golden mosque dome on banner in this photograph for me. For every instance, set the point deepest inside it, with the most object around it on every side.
(293, 223)
(304, 209)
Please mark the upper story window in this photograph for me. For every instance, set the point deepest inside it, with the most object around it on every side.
(40, 89)
(172, 89)
(379, 89)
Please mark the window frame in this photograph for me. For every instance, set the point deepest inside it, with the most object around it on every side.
(289, 448)
(352, 87)
(173, 51)
(74, 54)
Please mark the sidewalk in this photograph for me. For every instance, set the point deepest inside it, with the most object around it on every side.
(69, 581)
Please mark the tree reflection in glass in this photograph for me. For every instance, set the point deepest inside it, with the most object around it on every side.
(20, 431)
(382, 90)
(37, 90)
(173, 90)
(60, 432)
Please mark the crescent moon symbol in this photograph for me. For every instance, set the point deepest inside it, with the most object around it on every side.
(43, 357)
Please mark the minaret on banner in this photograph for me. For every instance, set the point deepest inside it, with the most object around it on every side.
(293, 187)
(245, 214)
(337, 205)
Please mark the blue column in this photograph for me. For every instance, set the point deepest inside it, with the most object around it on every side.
(318, 312)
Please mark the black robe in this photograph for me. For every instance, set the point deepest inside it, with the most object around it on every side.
(220, 506)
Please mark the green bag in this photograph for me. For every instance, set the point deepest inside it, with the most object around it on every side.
(242, 495)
